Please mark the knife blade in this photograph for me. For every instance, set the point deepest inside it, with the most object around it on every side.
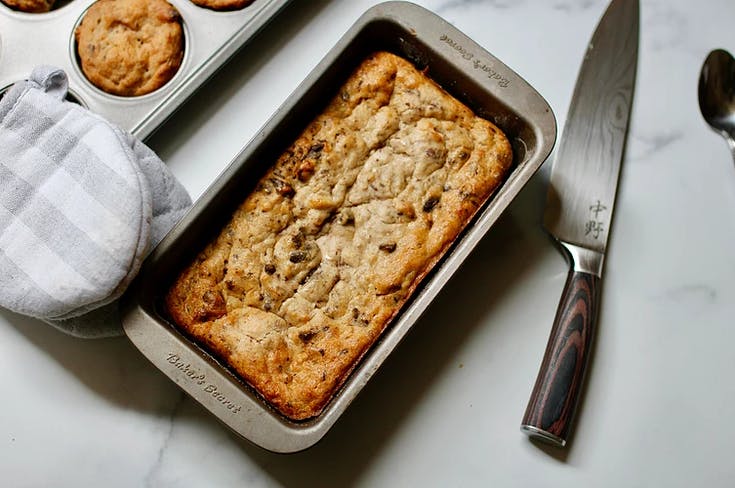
(578, 213)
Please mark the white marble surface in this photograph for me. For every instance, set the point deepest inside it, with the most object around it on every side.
(445, 409)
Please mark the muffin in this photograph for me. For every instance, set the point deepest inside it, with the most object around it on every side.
(223, 4)
(33, 6)
(130, 47)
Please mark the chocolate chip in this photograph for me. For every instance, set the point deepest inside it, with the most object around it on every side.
(388, 247)
(283, 188)
(307, 336)
(430, 203)
(270, 268)
(267, 303)
(213, 307)
(393, 288)
(315, 149)
(297, 257)
(308, 275)
(297, 240)
(305, 170)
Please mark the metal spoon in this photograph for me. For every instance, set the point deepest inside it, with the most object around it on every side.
(717, 94)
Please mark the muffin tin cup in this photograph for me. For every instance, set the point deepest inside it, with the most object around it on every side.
(210, 39)
(461, 67)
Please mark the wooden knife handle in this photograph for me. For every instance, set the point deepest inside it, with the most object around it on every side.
(554, 399)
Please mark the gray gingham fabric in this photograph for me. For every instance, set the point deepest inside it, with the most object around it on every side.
(81, 204)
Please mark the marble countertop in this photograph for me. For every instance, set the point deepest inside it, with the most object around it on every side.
(445, 409)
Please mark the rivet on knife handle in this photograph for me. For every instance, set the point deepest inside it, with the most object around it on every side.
(554, 399)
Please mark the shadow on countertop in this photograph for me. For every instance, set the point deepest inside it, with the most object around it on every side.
(111, 367)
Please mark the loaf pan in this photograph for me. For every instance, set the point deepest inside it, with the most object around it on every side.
(460, 66)
(210, 39)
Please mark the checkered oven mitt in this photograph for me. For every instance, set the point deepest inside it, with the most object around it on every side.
(81, 204)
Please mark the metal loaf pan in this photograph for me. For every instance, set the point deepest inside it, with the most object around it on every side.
(210, 39)
(465, 70)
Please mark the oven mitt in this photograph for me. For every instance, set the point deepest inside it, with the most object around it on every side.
(81, 204)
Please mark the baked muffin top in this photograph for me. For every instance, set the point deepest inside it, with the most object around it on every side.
(130, 47)
(223, 4)
(34, 6)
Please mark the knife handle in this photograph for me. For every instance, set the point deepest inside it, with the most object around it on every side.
(554, 399)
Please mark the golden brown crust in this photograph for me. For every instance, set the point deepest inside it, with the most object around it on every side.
(223, 4)
(338, 233)
(130, 47)
(32, 6)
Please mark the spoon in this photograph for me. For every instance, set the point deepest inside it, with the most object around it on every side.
(717, 94)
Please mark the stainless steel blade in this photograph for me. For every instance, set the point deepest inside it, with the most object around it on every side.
(585, 174)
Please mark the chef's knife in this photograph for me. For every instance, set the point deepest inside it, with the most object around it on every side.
(578, 213)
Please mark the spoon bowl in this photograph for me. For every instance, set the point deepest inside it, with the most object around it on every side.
(717, 94)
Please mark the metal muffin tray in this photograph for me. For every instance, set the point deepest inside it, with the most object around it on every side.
(210, 39)
(461, 67)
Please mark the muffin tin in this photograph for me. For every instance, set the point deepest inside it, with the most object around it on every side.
(461, 67)
(210, 39)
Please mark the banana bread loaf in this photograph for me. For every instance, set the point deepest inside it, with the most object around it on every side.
(321, 256)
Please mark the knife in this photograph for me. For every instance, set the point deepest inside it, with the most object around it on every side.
(579, 210)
